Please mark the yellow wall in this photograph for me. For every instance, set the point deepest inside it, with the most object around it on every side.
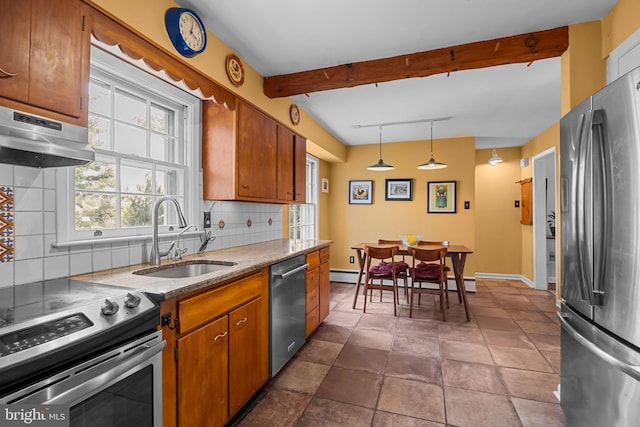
(498, 229)
(621, 21)
(585, 71)
(350, 224)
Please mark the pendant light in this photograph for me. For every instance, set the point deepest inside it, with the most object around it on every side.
(380, 166)
(432, 163)
(494, 159)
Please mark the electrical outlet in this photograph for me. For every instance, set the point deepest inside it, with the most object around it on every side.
(207, 220)
(467, 204)
(517, 203)
(351, 259)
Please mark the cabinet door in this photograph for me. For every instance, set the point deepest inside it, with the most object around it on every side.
(202, 375)
(257, 145)
(248, 352)
(324, 290)
(15, 22)
(300, 169)
(56, 55)
(285, 190)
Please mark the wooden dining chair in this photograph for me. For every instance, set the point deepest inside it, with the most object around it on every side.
(385, 269)
(428, 268)
(446, 267)
(402, 267)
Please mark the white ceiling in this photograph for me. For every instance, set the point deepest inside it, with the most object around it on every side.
(500, 106)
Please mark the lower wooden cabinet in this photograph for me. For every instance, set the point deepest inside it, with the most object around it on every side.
(318, 289)
(222, 351)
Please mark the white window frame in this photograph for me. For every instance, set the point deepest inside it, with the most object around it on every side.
(65, 180)
(309, 211)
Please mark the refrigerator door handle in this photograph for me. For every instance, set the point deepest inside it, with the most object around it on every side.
(584, 148)
(599, 215)
(629, 369)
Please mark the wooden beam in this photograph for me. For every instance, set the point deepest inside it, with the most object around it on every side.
(522, 48)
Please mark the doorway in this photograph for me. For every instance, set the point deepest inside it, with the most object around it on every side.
(544, 208)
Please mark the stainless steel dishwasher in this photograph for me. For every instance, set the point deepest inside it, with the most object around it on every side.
(287, 312)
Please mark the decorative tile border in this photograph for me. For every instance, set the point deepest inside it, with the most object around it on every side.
(7, 219)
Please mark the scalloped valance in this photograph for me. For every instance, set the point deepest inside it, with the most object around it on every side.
(110, 32)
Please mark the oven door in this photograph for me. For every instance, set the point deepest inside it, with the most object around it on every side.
(122, 387)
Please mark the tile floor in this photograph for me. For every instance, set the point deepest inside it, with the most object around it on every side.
(374, 369)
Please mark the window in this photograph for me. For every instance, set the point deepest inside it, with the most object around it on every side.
(303, 222)
(146, 138)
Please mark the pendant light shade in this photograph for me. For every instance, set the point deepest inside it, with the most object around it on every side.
(432, 163)
(494, 159)
(380, 166)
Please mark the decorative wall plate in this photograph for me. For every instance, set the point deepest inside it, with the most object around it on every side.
(294, 113)
(235, 70)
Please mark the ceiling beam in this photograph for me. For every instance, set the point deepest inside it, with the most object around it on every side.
(521, 48)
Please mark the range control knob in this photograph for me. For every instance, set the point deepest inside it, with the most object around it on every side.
(109, 308)
(131, 300)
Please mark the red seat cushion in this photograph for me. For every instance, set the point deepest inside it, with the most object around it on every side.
(427, 271)
(384, 268)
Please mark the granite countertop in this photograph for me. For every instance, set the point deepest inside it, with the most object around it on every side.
(248, 258)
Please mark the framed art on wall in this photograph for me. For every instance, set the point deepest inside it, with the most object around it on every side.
(398, 189)
(441, 197)
(361, 192)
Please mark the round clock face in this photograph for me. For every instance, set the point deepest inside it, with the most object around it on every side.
(186, 31)
(191, 31)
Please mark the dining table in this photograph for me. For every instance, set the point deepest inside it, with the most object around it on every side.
(457, 254)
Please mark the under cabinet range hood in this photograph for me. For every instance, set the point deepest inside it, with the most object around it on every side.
(30, 140)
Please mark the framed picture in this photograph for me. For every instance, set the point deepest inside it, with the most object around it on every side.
(398, 189)
(361, 192)
(441, 197)
(325, 185)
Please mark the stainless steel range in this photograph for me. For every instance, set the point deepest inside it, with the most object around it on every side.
(92, 347)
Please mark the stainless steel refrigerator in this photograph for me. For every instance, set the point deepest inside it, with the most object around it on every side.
(600, 255)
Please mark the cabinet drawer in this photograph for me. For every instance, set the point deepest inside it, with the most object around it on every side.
(313, 259)
(313, 279)
(313, 320)
(324, 254)
(312, 300)
(199, 309)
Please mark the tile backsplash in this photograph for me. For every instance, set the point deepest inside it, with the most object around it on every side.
(28, 229)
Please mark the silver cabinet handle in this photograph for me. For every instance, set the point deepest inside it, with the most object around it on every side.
(6, 75)
(241, 321)
(290, 272)
(219, 336)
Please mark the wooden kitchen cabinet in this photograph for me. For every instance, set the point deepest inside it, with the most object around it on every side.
(247, 155)
(222, 350)
(44, 58)
(292, 164)
(202, 375)
(317, 289)
(324, 286)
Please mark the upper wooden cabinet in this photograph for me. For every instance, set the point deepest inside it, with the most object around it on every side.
(44, 58)
(291, 170)
(247, 155)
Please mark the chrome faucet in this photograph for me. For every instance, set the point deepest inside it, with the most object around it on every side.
(178, 251)
(156, 254)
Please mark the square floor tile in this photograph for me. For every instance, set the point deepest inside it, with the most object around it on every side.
(472, 376)
(277, 408)
(412, 398)
(318, 351)
(474, 408)
(466, 352)
(363, 359)
(387, 419)
(531, 385)
(507, 338)
(371, 339)
(349, 386)
(534, 414)
(522, 358)
(329, 413)
(301, 376)
(414, 368)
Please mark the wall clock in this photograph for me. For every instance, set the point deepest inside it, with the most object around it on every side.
(294, 113)
(186, 31)
(235, 70)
